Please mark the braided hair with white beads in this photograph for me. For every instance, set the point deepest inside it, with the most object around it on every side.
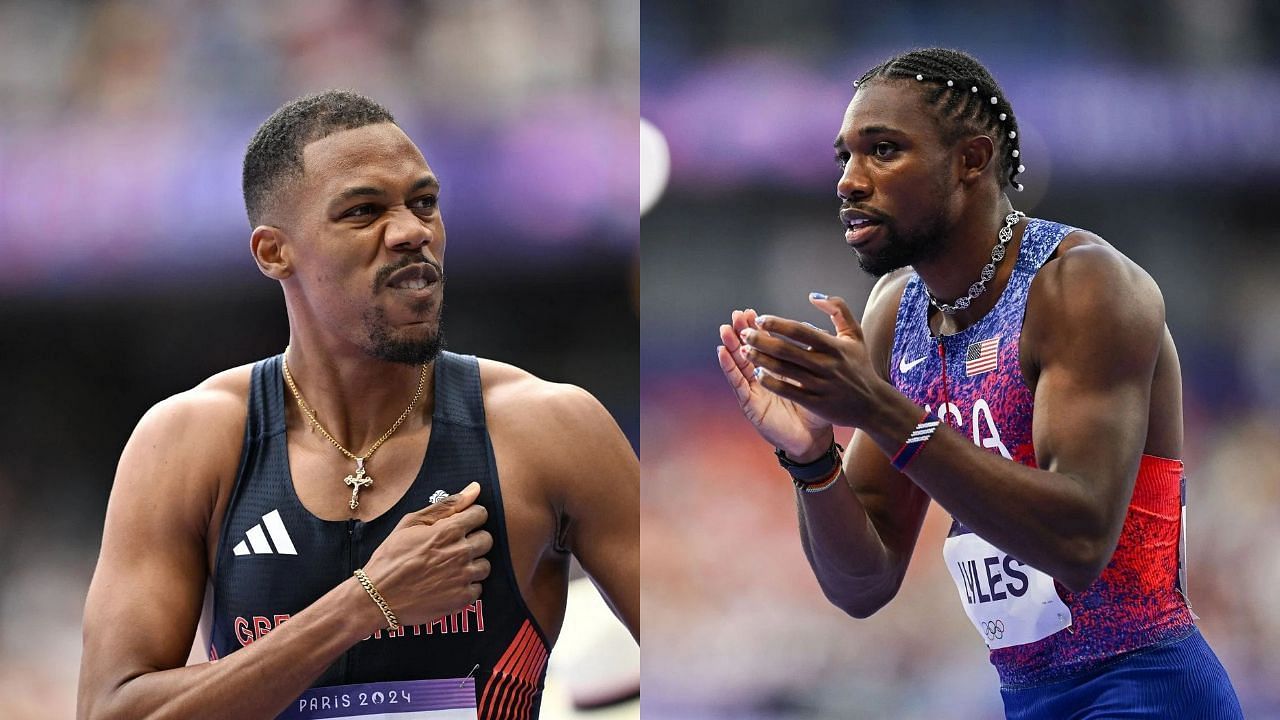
(969, 98)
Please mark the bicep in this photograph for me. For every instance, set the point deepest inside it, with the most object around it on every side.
(1093, 389)
(148, 588)
(1092, 428)
(1082, 423)
(602, 501)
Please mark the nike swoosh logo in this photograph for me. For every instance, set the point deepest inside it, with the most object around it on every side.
(904, 366)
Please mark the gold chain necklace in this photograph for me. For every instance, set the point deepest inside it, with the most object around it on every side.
(360, 479)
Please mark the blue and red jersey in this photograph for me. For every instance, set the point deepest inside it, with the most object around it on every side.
(972, 380)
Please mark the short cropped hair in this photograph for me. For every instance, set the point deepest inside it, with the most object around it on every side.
(274, 154)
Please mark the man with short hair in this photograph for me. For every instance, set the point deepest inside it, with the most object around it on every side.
(341, 502)
(1019, 372)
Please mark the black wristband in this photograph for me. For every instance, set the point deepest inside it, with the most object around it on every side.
(812, 471)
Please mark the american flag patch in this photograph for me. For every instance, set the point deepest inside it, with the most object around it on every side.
(981, 356)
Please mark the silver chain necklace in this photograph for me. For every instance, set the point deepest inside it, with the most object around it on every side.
(988, 272)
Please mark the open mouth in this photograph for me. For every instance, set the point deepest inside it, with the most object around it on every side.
(858, 226)
(412, 284)
(416, 278)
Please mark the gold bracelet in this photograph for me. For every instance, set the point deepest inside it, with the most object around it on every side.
(365, 583)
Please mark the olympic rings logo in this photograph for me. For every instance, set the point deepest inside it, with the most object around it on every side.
(993, 629)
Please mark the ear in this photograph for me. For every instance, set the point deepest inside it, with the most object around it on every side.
(976, 154)
(271, 251)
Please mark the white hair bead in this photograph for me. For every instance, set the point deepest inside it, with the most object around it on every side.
(994, 100)
(1012, 134)
(1015, 153)
(1022, 168)
(973, 89)
(919, 77)
(951, 83)
(1002, 116)
(1017, 186)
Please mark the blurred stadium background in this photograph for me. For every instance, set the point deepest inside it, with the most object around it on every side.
(1153, 124)
(125, 274)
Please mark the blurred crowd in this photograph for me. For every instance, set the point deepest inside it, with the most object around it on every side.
(132, 59)
(124, 122)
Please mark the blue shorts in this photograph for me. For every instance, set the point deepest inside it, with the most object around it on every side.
(1180, 678)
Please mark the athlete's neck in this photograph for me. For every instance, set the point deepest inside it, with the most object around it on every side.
(354, 396)
(968, 250)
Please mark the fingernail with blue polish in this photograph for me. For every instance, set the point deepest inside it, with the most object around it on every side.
(818, 295)
(759, 373)
(762, 319)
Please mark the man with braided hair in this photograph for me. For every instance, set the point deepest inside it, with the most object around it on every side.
(1019, 372)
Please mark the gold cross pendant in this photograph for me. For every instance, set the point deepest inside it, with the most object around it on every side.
(356, 482)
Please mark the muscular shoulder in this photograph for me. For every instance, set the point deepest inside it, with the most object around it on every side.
(187, 445)
(558, 432)
(518, 400)
(1089, 288)
(1088, 277)
(183, 456)
(205, 413)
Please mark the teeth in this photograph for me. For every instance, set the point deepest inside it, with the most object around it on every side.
(415, 284)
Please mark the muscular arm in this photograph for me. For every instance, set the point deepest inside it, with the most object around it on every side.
(147, 592)
(1095, 338)
(580, 470)
(573, 481)
(1095, 357)
(597, 483)
(859, 536)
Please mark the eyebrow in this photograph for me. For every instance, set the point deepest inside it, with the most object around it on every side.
(868, 130)
(425, 181)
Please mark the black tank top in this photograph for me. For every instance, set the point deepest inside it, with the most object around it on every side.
(275, 558)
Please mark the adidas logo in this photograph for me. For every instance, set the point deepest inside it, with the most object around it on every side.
(256, 542)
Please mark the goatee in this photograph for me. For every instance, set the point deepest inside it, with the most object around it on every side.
(903, 249)
(409, 351)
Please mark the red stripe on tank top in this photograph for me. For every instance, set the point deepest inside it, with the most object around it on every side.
(495, 679)
(1158, 488)
(534, 670)
(514, 681)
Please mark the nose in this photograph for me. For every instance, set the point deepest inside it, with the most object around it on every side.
(406, 231)
(855, 183)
